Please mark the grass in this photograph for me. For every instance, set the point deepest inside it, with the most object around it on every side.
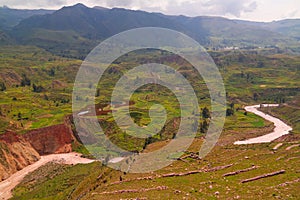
(81, 180)
(240, 121)
(84, 181)
(37, 109)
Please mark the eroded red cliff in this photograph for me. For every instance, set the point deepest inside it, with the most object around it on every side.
(49, 140)
(18, 151)
(15, 154)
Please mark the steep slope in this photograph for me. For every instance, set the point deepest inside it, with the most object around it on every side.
(5, 39)
(288, 27)
(53, 139)
(11, 17)
(18, 151)
(75, 30)
(225, 32)
(15, 154)
(94, 23)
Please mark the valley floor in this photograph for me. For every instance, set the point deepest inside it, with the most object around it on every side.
(74, 158)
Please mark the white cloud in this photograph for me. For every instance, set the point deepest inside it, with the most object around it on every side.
(33, 3)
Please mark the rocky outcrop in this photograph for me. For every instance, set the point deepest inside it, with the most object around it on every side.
(53, 139)
(18, 151)
(15, 154)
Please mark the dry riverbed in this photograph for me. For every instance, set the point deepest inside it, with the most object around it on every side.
(10, 183)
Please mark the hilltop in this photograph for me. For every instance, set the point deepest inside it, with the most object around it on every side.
(65, 30)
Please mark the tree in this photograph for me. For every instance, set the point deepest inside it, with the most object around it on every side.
(52, 72)
(232, 106)
(2, 86)
(204, 126)
(229, 112)
(37, 89)
(205, 113)
(25, 81)
(19, 116)
(98, 92)
(34, 87)
(255, 96)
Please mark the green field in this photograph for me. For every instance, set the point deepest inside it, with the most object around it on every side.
(250, 78)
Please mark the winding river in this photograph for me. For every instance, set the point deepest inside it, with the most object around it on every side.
(73, 158)
(280, 129)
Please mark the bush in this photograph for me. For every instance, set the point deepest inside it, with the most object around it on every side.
(229, 112)
(25, 81)
(38, 89)
(2, 86)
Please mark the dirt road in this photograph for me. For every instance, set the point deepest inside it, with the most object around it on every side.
(10, 183)
(280, 127)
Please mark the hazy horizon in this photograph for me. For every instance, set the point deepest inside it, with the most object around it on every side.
(259, 11)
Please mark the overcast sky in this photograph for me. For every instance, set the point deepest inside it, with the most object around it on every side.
(255, 10)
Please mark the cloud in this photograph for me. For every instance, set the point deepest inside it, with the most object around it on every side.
(148, 5)
(33, 3)
(291, 14)
(114, 3)
(214, 7)
(233, 7)
(188, 7)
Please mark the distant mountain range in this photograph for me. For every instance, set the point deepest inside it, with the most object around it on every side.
(78, 28)
(11, 17)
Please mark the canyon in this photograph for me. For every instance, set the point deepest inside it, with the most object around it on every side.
(20, 150)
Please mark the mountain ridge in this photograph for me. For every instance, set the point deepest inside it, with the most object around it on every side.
(82, 26)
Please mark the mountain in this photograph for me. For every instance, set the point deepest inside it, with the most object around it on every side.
(75, 30)
(11, 17)
(5, 39)
(94, 23)
(226, 32)
(287, 27)
(79, 26)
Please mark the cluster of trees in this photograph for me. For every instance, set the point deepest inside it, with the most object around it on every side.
(230, 111)
(248, 76)
(205, 123)
(38, 89)
(25, 81)
(204, 126)
(205, 113)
